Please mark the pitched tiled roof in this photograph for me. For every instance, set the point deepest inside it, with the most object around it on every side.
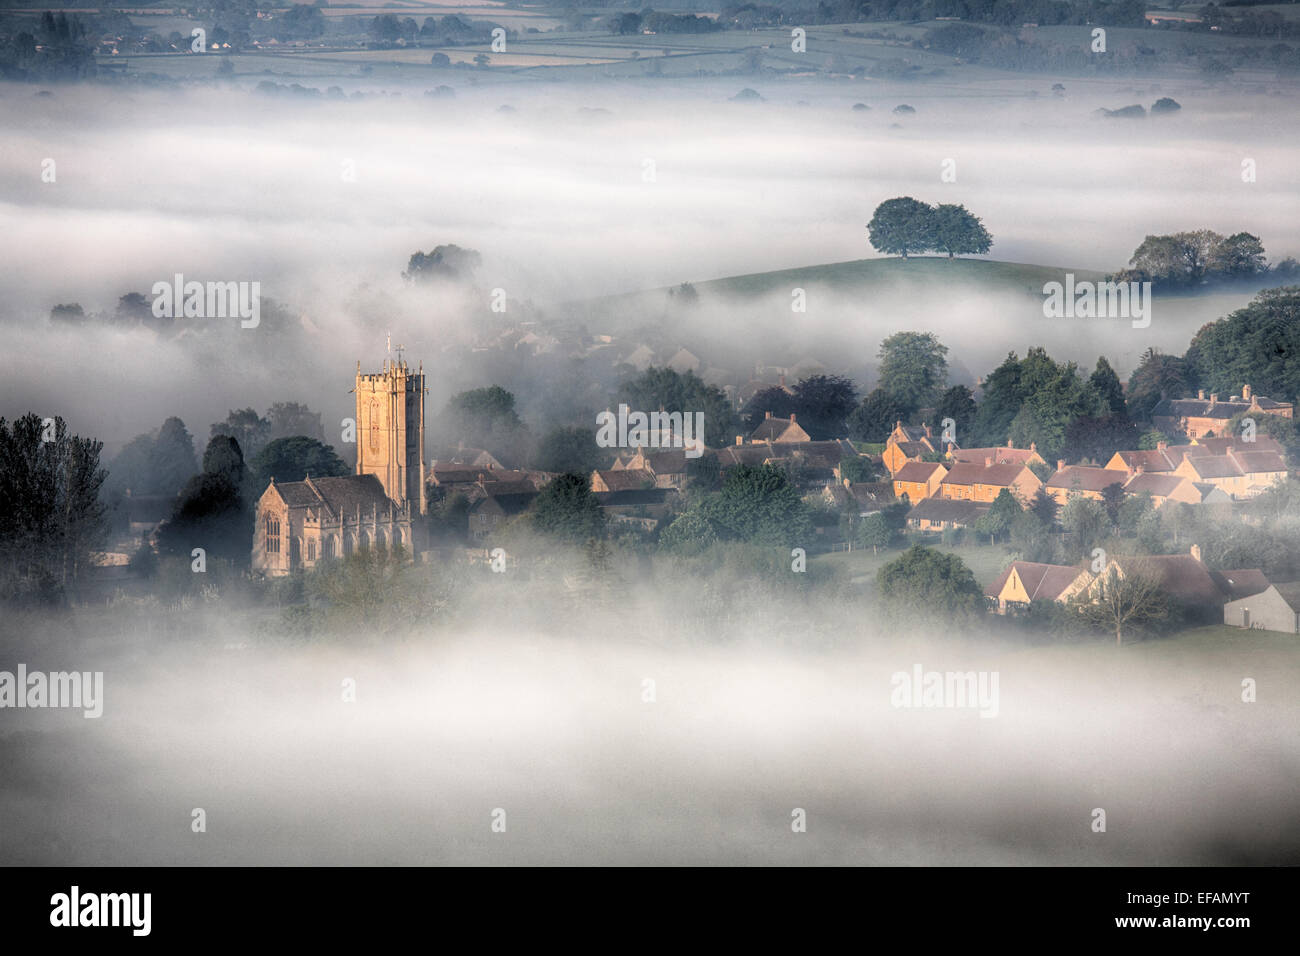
(770, 429)
(1087, 478)
(1254, 462)
(1153, 460)
(1000, 456)
(917, 471)
(1241, 583)
(338, 497)
(1042, 582)
(1203, 408)
(511, 503)
(1158, 485)
(1181, 576)
(913, 449)
(669, 461)
(1221, 446)
(969, 473)
(733, 455)
(627, 479)
(962, 512)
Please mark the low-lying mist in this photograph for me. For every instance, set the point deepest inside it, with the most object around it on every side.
(624, 732)
(672, 183)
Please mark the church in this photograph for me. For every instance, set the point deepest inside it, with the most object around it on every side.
(299, 523)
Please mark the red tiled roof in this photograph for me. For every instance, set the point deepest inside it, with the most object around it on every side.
(919, 471)
(1087, 478)
(1000, 456)
(968, 473)
(1158, 485)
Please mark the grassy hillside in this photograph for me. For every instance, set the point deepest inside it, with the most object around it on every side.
(895, 273)
(860, 276)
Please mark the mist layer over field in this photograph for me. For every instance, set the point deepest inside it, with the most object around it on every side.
(559, 728)
(227, 185)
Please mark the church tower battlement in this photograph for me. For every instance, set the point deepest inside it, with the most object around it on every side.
(390, 431)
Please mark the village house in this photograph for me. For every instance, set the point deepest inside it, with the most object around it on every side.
(642, 508)
(495, 508)
(450, 480)
(1026, 581)
(623, 479)
(476, 458)
(1158, 460)
(1220, 446)
(1163, 487)
(779, 431)
(1184, 579)
(863, 498)
(984, 482)
(908, 443)
(819, 461)
(1240, 474)
(668, 465)
(1199, 417)
(1276, 607)
(1007, 454)
(918, 480)
(1085, 480)
(940, 514)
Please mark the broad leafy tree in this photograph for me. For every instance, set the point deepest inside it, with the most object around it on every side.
(902, 227)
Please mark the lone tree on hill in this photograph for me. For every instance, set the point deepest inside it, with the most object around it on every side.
(905, 225)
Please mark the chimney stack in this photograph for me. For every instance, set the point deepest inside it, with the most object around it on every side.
(1033, 446)
(1200, 394)
(988, 462)
(1010, 443)
(792, 418)
(1141, 468)
(1161, 445)
(928, 432)
(740, 439)
(1196, 551)
(1214, 399)
(1060, 464)
(1247, 393)
(767, 416)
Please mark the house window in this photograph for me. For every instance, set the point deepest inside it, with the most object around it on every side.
(272, 534)
(311, 550)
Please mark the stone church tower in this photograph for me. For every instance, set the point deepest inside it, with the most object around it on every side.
(390, 431)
